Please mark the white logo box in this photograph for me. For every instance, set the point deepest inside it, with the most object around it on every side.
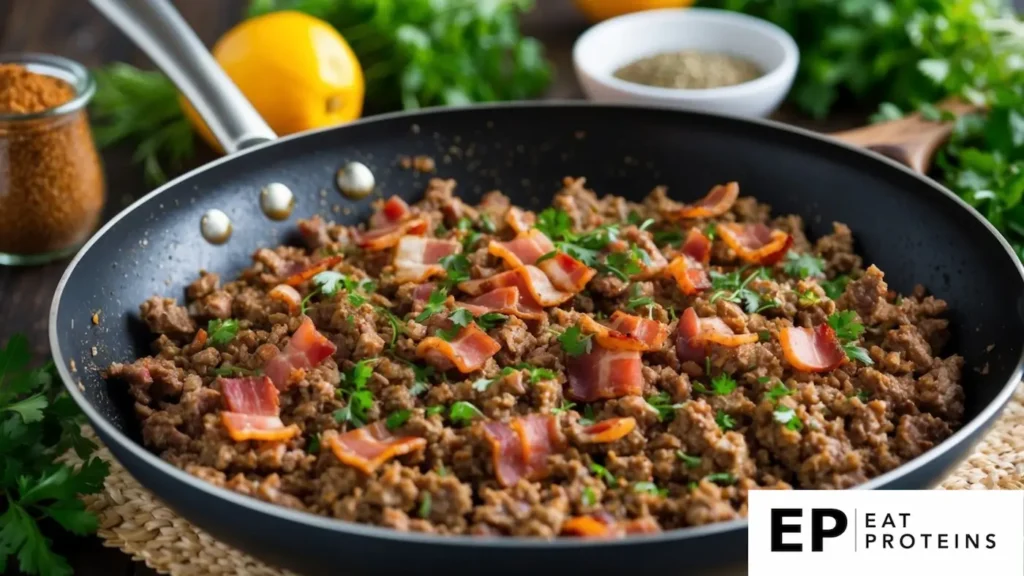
(905, 533)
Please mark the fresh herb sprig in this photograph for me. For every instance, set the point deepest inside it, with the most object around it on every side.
(39, 422)
(575, 342)
(353, 389)
(735, 287)
(848, 330)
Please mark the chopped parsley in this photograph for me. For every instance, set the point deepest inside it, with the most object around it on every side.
(649, 488)
(787, 416)
(668, 237)
(425, 504)
(733, 287)
(464, 224)
(808, 298)
(397, 326)
(588, 497)
(588, 416)
(460, 318)
(486, 224)
(490, 320)
(724, 420)
(721, 385)
(864, 395)
(463, 413)
(555, 224)
(313, 446)
(564, 407)
(777, 392)
(847, 331)
(397, 418)
(721, 478)
(646, 224)
(456, 267)
(662, 402)
(638, 300)
(481, 384)
(574, 342)
(431, 410)
(764, 336)
(329, 282)
(435, 304)
(222, 332)
(625, 264)
(603, 473)
(421, 378)
(803, 265)
(711, 230)
(353, 388)
(688, 461)
(764, 379)
(834, 288)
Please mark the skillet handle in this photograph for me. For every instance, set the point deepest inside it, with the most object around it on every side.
(160, 31)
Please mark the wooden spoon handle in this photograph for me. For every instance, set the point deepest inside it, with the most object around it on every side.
(911, 140)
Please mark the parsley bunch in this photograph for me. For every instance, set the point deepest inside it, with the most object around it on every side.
(39, 422)
(587, 246)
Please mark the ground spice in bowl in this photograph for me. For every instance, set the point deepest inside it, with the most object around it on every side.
(689, 69)
(51, 179)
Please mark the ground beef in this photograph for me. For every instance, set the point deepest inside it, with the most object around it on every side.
(707, 431)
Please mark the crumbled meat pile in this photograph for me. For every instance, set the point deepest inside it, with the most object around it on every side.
(597, 369)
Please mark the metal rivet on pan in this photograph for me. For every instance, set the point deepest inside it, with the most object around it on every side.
(215, 226)
(355, 180)
(277, 201)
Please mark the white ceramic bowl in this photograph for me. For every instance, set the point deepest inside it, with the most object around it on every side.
(608, 46)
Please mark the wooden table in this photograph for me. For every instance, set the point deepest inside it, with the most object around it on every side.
(76, 30)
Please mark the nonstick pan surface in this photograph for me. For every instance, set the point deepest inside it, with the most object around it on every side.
(912, 228)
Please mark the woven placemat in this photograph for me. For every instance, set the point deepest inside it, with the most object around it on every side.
(135, 521)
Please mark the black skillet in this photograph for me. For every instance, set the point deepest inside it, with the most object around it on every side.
(912, 228)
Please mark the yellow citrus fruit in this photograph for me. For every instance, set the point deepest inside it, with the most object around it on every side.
(297, 71)
(598, 10)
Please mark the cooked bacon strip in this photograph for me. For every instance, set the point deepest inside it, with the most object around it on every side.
(807, 350)
(502, 300)
(626, 333)
(604, 374)
(524, 249)
(289, 295)
(392, 212)
(312, 270)
(520, 220)
(717, 331)
(535, 290)
(697, 246)
(755, 243)
(254, 396)
(651, 332)
(607, 431)
(539, 436)
(565, 272)
(506, 453)
(242, 427)
(520, 448)
(388, 237)
(689, 275)
(468, 351)
(416, 258)
(688, 348)
(694, 333)
(715, 203)
(306, 349)
(366, 448)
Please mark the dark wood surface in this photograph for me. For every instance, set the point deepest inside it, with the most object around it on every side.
(74, 29)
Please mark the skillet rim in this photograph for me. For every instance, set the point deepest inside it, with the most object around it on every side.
(343, 527)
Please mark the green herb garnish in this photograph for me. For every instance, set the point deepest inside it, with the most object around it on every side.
(688, 461)
(733, 287)
(603, 474)
(588, 497)
(649, 488)
(434, 305)
(463, 413)
(432, 410)
(847, 330)
(460, 318)
(721, 478)
(787, 416)
(574, 342)
(662, 402)
(803, 265)
(724, 420)
(397, 418)
(222, 332)
(834, 288)
(777, 392)
(425, 504)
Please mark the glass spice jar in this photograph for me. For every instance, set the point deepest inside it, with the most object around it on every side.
(51, 179)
